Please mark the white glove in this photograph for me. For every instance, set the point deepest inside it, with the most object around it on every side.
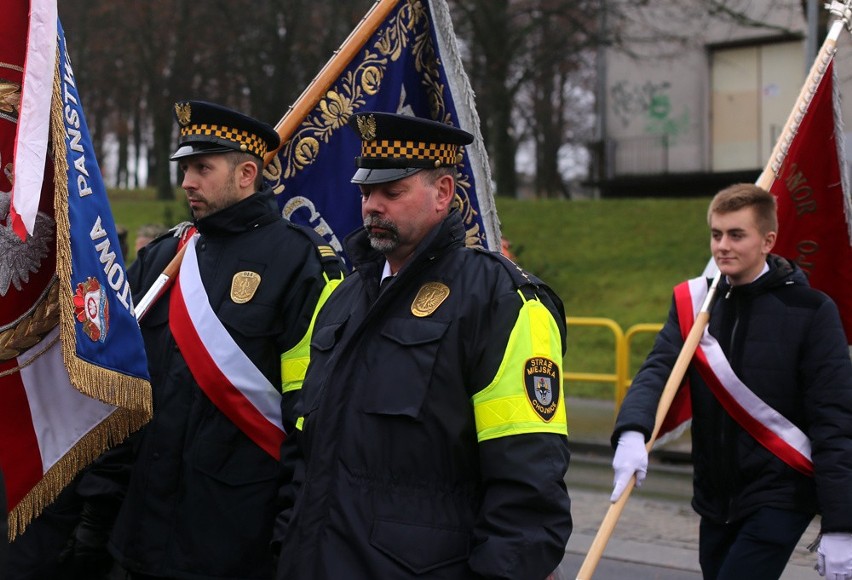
(630, 457)
(834, 556)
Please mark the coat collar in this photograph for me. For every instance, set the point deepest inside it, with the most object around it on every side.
(256, 210)
(782, 272)
(445, 236)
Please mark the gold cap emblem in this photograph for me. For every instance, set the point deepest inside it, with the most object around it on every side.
(183, 112)
(243, 286)
(428, 298)
(367, 127)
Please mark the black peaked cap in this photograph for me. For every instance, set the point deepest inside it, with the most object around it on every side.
(210, 128)
(395, 146)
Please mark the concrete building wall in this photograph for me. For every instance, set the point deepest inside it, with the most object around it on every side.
(701, 93)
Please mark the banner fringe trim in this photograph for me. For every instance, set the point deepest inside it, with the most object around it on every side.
(108, 386)
(112, 431)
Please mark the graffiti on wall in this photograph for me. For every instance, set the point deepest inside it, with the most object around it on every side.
(649, 103)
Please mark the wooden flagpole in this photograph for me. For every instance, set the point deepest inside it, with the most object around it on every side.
(331, 71)
(666, 398)
(293, 117)
(160, 285)
(843, 11)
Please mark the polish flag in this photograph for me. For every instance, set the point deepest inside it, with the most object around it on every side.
(44, 414)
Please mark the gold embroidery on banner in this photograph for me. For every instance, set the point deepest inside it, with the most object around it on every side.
(428, 298)
(10, 66)
(33, 326)
(410, 25)
(243, 286)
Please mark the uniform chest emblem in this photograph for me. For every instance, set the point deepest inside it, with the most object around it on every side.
(243, 286)
(428, 298)
(541, 379)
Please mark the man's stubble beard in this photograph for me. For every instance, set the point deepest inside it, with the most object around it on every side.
(227, 196)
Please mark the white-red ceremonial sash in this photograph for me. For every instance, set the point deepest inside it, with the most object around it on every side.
(223, 371)
(769, 427)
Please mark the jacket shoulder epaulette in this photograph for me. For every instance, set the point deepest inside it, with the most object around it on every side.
(520, 278)
(331, 262)
(532, 287)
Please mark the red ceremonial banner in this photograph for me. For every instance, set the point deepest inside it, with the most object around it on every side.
(813, 226)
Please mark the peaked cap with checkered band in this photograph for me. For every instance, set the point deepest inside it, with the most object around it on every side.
(209, 128)
(395, 146)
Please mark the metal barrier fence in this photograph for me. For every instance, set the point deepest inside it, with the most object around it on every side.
(622, 340)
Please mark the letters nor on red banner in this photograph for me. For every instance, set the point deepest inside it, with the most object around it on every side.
(813, 204)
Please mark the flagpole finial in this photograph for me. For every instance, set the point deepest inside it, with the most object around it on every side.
(842, 10)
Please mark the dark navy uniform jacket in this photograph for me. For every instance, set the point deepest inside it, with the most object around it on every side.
(423, 453)
(201, 499)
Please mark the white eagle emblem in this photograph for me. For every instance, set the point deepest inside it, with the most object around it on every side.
(19, 259)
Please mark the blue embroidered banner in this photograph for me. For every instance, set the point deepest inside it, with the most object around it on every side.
(106, 332)
(410, 65)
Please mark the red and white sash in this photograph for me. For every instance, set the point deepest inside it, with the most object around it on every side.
(223, 371)
(769, 427)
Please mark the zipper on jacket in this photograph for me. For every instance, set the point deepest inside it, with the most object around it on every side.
(727, 439)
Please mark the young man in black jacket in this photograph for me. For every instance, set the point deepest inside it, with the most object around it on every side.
(771, 393)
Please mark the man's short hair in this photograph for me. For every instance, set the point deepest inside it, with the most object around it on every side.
(430, 176)
(236, 157)
(742, 195)
(433, 175)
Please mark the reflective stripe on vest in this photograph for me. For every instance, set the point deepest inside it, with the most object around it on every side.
(294, 362)
(526, 395)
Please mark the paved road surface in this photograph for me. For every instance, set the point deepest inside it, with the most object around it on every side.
(654, 538)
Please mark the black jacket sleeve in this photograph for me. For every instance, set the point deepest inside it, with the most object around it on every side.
(826, 374)
(526, 511)
(525, 519)
(639, 409)
(293, 469)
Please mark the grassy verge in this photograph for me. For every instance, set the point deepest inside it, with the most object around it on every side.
(137, 207)
(616, 259)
